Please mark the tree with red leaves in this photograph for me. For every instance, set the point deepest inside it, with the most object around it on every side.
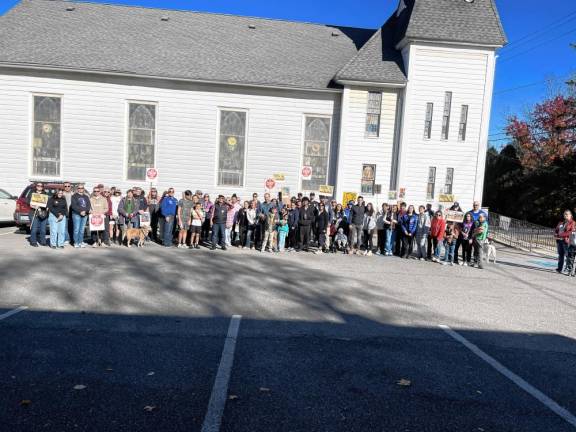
(548, 134)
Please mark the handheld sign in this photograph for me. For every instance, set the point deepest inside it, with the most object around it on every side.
(152, 175)
(96, 222)
(145, 219)
(306, 172)
(327, 190)
(270, 183)
(454, 216)
(38, 200)
(347, 197)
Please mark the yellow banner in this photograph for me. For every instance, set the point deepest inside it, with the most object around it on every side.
(348, 196)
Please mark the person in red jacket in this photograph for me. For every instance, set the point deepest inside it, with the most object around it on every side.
(562, 235)
(437, 231)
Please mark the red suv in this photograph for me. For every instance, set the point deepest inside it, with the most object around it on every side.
(21, 214)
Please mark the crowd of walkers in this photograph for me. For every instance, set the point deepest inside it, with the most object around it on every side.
(302, 224)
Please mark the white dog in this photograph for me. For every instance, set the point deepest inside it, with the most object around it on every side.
(489, 251)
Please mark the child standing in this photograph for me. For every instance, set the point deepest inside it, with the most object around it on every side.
(196, 226)
(270, 222)
(450, 237)
(283, 229)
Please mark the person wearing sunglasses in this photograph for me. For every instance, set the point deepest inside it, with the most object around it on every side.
(67, 194)
(99, 206)
(58, 210)
(80, 209)
(38, 217)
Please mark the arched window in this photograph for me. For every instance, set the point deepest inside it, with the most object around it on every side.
(46, 138)
(316, 151)
(141, 139)
(231, 149)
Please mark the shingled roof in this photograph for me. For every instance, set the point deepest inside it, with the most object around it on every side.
(96, 37)
(475, 21)
(189, 45)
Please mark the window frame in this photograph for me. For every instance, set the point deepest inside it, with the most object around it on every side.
(428, 120)
(446, 116)
(368, 114)
(428, 183)
(451, 184)
(127, 135)
(32, 121)
(303, 145)
(463, 125)
(217, 150)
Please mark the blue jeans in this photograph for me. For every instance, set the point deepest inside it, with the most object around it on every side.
(58, 230)
(249, 232)
(449, 251)
(562, 252)
(168, 231)
(38, 225)
(79, 225)
(390, 240)
(281, 240)
(218, 234)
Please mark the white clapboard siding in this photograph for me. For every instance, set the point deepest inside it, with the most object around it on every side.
(358, 149)
(94, 129)
(468, 74)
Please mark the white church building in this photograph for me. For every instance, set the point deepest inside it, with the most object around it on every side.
(100, 93)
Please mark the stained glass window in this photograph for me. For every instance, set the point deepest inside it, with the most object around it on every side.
(46, 138)
(316, 147)
(141, 139)
(232, 148)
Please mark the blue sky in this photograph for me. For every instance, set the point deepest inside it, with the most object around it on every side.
(538, 58)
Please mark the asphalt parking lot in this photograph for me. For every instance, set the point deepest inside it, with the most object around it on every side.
(176, 340)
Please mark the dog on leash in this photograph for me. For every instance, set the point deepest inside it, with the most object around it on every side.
(136, 233)
(489, 250)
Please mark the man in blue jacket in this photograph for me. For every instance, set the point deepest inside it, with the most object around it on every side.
(168, 208)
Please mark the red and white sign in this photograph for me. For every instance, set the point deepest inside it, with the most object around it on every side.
(270, 184)
(96, 222)
(152, 175)
(306, 172)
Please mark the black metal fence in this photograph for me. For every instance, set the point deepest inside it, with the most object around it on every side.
(521, 234)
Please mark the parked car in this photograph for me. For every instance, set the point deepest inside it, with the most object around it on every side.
(7, 206)
(22, 210)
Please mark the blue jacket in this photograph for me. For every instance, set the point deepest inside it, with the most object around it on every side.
(168, 206)
(409, 223)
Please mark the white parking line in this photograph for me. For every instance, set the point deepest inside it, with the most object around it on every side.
(13, 312)
(520, 382)
(6, 233)
(213, 418)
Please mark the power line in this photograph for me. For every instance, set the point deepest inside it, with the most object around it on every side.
(533, 35)
(533, 134)
(538, 45)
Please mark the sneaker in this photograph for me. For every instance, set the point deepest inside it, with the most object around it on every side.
(421, 259)
(465, 264)
(60, 247)
(76, 246)
(95, 245)
(224, 248)
(369, 253)
(444, 263)
(83, 245)
(197, 246)
(378, 253)
(318, 252)
(451, 264)
(66, 243)
(52, 247)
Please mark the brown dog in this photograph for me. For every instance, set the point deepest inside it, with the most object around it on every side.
(139, 233)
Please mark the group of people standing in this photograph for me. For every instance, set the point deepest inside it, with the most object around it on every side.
(270, 225)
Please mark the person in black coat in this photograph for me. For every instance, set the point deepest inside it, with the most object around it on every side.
(58, 209)
(305, 223)
(322, 224)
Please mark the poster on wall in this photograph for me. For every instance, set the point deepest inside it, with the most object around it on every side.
(326, 190)
(392, 195)
(279, 177)
(402, 193)
(270, 184)
(446, 198)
